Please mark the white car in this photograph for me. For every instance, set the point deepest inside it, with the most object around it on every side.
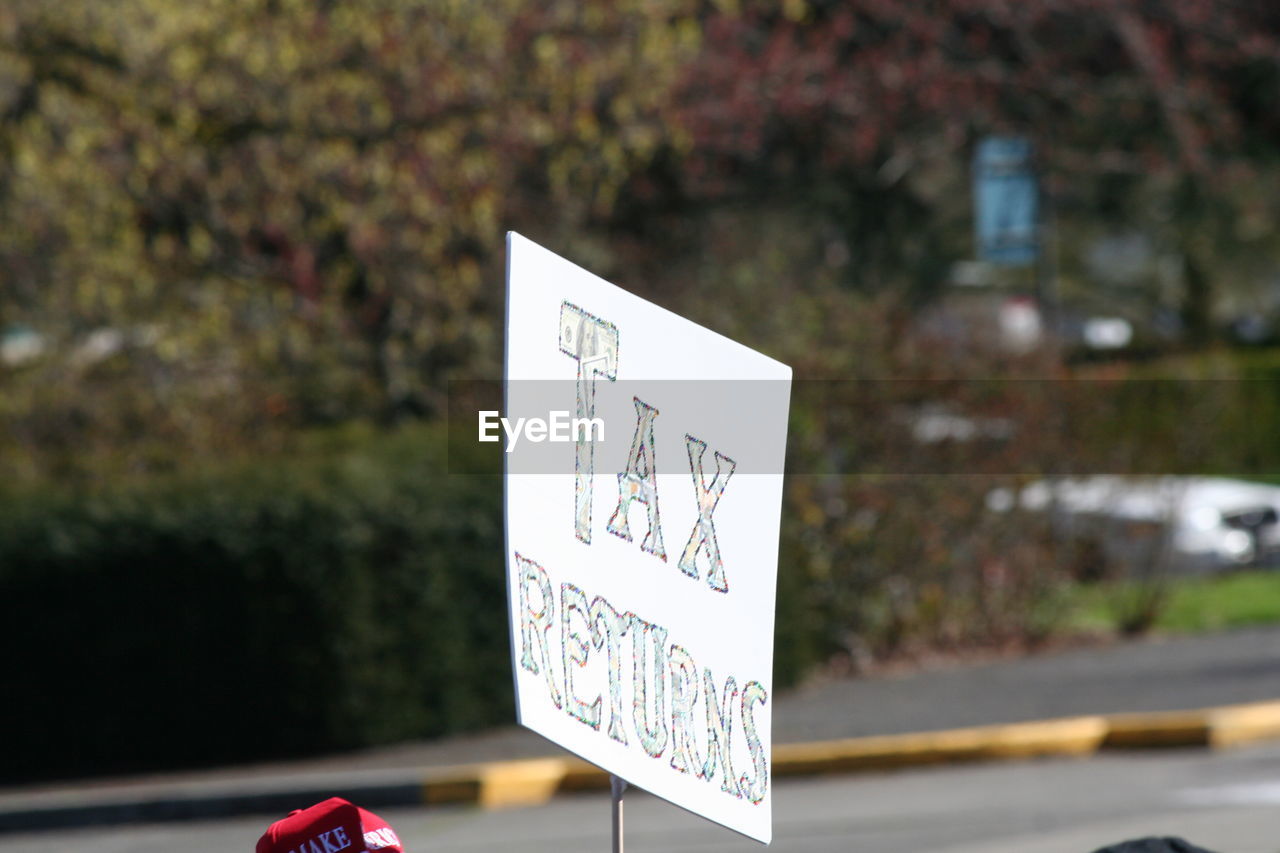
(1179, 525)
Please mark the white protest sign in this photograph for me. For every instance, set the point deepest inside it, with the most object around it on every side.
(644, 460)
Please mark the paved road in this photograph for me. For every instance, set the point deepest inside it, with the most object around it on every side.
(1158, 674)
(1228, 802)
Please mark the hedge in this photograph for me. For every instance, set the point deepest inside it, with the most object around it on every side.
(344, 597)
(272, 610)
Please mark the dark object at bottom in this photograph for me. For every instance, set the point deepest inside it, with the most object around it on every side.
(1153, 845)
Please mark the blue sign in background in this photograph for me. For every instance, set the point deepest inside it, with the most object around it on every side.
(1006, 201)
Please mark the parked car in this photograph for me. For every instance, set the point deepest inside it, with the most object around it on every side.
(1140, 525)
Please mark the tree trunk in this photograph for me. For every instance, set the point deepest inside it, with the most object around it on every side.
(1197, 302)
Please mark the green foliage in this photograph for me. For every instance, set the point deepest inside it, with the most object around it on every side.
(1190, 605)
(232, 219)
(279, 609)
(1232, 601)
(350, 594)
(288, 211)
(1144, 116)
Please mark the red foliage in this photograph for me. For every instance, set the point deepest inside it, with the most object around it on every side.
(855, 83)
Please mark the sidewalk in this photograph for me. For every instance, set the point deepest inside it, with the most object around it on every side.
(1062, 703)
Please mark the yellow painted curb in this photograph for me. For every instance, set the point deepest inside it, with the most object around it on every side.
(534, 781)
(581, 776)
(1227, 725)
(451, 785)
(1159, 729)
(497, 784)
(1074, 736)
(520, 783)
(1236, 724)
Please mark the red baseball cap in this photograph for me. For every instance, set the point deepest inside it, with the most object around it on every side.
(334, 826)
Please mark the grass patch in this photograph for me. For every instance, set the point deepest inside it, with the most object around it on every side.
(1230, 601)
(1183, 606)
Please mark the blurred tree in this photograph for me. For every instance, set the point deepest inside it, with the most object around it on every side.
(284, 207)
(862, 115)
(860, 107)
(222, 216)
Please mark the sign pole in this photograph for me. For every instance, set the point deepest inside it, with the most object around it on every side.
(616, 787)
